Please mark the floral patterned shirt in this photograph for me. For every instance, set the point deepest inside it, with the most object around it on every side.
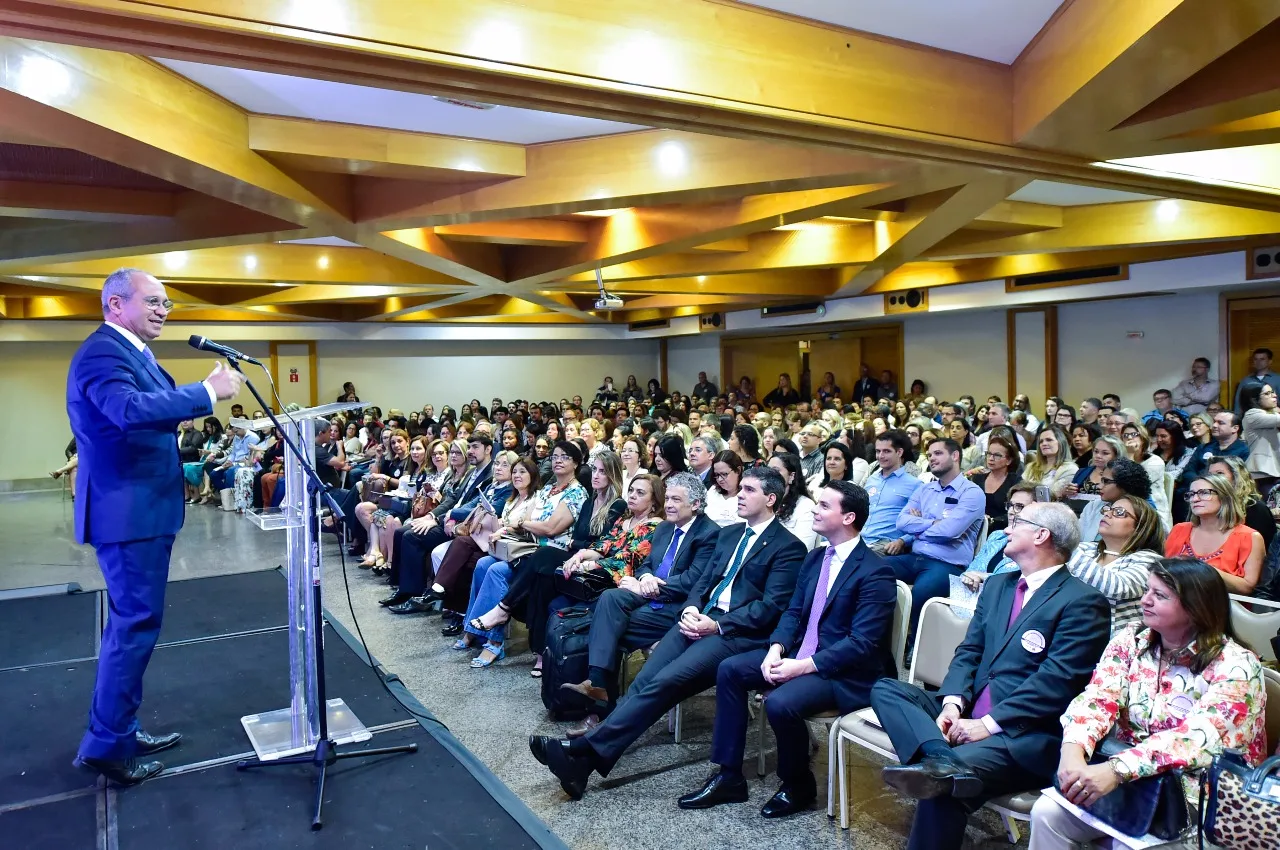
(1175, 720)
(624, 550)
(545, 503)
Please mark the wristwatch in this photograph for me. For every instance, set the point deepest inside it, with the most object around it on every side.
(1120, 769)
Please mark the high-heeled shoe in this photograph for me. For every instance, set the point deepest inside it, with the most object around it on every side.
(480, 625)
(378, 561)
(499, 652)
(461, 644)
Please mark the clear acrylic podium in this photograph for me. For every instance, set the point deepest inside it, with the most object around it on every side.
(297, 729)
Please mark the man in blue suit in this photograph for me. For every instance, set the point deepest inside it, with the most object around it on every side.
(826, 652)
(124, 410)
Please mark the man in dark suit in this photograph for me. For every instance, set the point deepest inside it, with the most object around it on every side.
(409, 561)
(993, 728)
(123, 409)
(829, 648)
(702, 455)
(643, 608)
(732, 609)
(867, 386)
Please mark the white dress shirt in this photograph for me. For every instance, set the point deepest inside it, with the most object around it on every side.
(843, 550)
(722, 601)
(1034, 582)
(142, 346)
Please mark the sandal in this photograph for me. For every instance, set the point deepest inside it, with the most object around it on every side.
(536, 672)
(462, 643)
(499, 652)
(378, 561)
(480, 625)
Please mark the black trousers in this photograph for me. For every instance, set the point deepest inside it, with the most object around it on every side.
(786, 706)
(908, 716)
(413, 551)
(624, 620)
(677, 669)
(532, 589)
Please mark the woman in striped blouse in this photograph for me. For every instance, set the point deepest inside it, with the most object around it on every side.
(1131, 539)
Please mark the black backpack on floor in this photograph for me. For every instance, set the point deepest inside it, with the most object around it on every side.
(565, 661)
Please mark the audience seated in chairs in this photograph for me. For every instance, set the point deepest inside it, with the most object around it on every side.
(222, 478)
(722, 498)
(394, 507)
(1049, 463)
(1130, 540)
(889, 487)
(1088, 480)
(1218, 535)
(1121, 477)
(643, 607)
(549, 523)
(733, 609)
(1253, 507)
(384, 478)
(193, 473)
(796, 510)
(826, 652)
(1137, 445)
(1002, 470)
(1134, 720)
(532, 588)
(993, 728)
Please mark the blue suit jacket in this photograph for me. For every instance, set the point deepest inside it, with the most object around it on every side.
(124, 412)
(853, 627)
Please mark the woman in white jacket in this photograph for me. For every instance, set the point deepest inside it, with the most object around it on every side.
(1261, 421)
(1049, 463)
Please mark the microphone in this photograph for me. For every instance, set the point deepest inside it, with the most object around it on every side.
(206, 344)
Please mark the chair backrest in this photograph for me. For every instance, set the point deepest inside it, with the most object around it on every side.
(1256, 628)
(1272, 680)
(1169, 487)
(941, 629)
(983, 531)
(901, 617)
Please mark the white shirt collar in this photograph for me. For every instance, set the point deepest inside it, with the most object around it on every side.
(757, 530)
(845, 549)
(684, 529)
(1037, 579)
(127, 334)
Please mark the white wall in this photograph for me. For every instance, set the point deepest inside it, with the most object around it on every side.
(956, 353)
(1095, 355)
(689, 355)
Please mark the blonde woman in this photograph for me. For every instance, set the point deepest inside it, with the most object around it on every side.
(1049, 464)
(591, 433)
(1218, 536)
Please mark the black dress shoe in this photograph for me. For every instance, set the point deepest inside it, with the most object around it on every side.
(396, 598)
(718, 789)
(411, 606)
(453, 628)
(788, 801)
(538, 745)
(934, 776)
(572, 771)
(148, 744)
(431, 597)
(123, 773)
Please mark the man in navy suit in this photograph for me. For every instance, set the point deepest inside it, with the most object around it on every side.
(993, 727)
(829, 648)
(645, 606)
(732, 609)
(124, 410)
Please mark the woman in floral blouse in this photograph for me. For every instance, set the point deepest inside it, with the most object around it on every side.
(1175, 691)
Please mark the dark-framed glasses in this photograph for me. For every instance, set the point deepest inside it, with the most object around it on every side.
(1118, 513)
(1197, 495)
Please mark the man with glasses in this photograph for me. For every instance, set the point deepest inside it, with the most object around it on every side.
(811, 438)
(992, 728)
(733, 608)
(702, 455)
(124, 411)
(940, 523)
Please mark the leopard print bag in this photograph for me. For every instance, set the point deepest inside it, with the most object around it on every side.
(1240, 804)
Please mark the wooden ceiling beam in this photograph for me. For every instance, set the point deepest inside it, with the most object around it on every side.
(535, 232)
(31, 199)
(802, 282)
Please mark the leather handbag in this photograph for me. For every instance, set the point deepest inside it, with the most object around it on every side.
(1152, 805)
(1241, 804)
(585, 586)
(511, 546)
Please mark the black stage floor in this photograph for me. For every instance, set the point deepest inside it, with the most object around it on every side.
(223, 655)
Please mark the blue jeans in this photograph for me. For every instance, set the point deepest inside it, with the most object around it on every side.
(488, 586)
(222, 479)
(927, 576)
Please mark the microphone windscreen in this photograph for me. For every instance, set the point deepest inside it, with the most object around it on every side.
(196, 341)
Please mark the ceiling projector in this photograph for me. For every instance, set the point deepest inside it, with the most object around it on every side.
(608, 302)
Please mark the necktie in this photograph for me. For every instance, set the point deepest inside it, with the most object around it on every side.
(734, 566)
(668, 560)
(810, 643)
(982, 705)
(149, 354)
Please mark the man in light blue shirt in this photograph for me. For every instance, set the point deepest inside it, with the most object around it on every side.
(944, 518)
(890, 487)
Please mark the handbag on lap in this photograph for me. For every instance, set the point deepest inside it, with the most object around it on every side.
(1152, 805)
(510, 546)
(1240, 804)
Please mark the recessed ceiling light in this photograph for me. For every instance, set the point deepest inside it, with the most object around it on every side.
(1167, 210)
(323, 261)
(702, 278)
(251, 262)
(174, 260)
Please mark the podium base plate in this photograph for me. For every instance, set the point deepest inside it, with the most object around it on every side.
(272, 732)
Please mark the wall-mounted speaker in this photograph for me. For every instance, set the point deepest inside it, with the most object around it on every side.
(906, 301)
(711, 322)
(1263, 262)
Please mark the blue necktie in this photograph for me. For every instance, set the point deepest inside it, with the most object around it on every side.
(734, 566)
(668, 561)
(147, 353)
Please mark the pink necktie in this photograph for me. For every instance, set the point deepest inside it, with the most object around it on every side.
(982, 705)
(810, 643)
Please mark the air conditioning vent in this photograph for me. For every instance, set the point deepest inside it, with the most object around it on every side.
(1071, 277)
(650, 325)
(814, 307)
(1263, 262)
(907, 301)
(711, 322)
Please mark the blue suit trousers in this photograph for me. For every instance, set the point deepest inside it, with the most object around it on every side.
(136, 573)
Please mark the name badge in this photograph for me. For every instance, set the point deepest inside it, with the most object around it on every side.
(1033, 641)
(871, 491)
(1180, 706)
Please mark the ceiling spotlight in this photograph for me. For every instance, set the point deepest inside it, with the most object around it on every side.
(702, 278)
(1167, 210)
(251, 262)
(174, 260)
(323, 261)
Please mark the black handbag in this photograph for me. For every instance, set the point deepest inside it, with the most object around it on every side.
(1152, 805)
(586, 586)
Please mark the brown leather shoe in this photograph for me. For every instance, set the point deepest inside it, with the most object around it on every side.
(588, 690)
(588, 723)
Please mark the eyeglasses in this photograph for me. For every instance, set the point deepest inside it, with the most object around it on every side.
(997, 456)
(1106, 480)
(155, 302)
(1196, 495)
(1013, 508)
(1023, 521)
(555, 457)
(1118, 513)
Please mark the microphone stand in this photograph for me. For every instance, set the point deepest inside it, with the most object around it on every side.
(326, 751)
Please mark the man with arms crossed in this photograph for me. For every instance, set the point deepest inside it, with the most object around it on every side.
(124, 410)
